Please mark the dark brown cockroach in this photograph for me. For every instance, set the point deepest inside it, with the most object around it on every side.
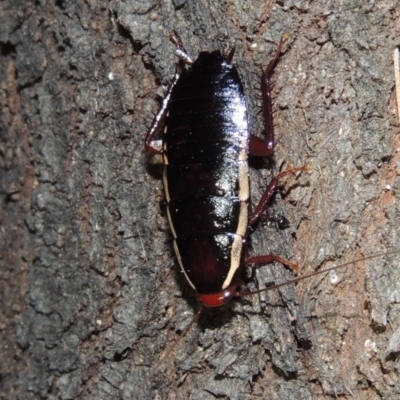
(202, 133)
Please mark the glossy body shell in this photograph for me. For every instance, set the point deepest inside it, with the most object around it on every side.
(205, 149)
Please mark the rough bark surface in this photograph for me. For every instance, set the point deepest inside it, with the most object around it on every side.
(91, 295)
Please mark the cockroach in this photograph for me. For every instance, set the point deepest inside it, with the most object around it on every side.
(202, 134)
(205, 143)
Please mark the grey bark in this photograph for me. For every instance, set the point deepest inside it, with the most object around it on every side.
(91, 293)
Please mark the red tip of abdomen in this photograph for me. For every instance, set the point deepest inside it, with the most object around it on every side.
(216, 299)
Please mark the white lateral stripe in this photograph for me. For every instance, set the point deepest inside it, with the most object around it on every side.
(242, 155)
(243, 219)
(241, 230)
(244, 188)
(170, 223)
(165, 182)
(236, 253)
(178, 256)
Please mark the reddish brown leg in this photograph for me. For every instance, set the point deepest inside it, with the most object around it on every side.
(153, 141)
(260, 147)
(262, 205)
(269, 259)
(269, 192)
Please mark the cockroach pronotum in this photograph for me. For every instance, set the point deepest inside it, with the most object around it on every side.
(202, 133)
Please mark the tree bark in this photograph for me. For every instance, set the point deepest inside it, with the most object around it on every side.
(91, 292)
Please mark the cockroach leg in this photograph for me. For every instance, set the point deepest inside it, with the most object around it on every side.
(267, 103)
(270, 258)
(153, 140)
(260, 147)
(269, 192)
(229, 57)
(180, 51)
